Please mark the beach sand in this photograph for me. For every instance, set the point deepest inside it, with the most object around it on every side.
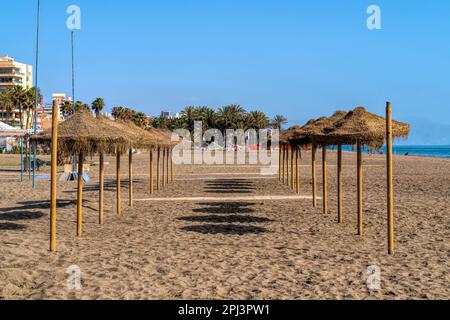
(217, 249)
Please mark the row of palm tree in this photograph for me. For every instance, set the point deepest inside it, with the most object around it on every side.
(227, 117)
(21, 99)
(128, 114)
(97, 106)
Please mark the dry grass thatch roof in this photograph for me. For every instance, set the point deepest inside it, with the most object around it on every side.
(348, 128)
(313, 128)
(141, 138)
(361, 126)
(82, 132)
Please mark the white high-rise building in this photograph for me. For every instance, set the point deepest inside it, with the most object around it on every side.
(13, 73)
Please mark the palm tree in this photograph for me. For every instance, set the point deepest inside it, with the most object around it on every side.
(66, 108)
(117, 112)
(189, 116)
(79, 106)
(258, 120)
(98, 105)
(6, 104)
(17, 96)
(278, 122)
(29, 105)
(208, 116)
(140, 119)
(231, 116)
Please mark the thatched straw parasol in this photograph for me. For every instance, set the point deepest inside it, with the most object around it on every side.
(363, 127)
(303, 136)
(313, 129)
(151, 139)
(357, 127)
(83, 133)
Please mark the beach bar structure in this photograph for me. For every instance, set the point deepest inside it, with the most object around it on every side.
(358, 128)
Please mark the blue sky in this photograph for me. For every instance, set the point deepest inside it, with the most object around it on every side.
(299, 58)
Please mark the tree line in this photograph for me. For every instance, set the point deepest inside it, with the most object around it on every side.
(21, 99)
(227, 117)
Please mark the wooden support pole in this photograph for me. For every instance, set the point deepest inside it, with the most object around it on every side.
(325, 179)
(53, 176)
(283, 164)
(167, 166)
(102, 189)
(339, 184)
(171, 166)
(313, 174)
(158, 169)
(130, 177)
(360, 191)
(297, 169)
(80, 195)
(292, 168)
(152, 179)
(280, 159)
(118, 199)
(287, 166)
(163, 178)
(390, 184)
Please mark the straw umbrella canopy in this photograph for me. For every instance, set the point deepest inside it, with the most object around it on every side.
(304, 136)
(85, 135)
(82, 133)
(313, 130)
(360, 126)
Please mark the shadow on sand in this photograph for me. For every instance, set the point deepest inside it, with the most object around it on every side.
(226, 229)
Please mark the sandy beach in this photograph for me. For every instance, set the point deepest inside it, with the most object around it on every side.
(192, 240)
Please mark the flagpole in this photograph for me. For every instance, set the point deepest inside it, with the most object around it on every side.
(36, 93)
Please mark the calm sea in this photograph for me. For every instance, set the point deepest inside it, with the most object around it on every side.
(424, 151)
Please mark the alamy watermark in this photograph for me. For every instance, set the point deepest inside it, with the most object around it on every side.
(73, 22)
(214, 147)
(374, 19)
(373, 282)
(74, 278)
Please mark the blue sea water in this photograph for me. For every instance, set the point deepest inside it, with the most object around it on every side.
(423, 151)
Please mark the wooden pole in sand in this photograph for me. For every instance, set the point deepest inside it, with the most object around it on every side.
(167, 166)
(283, 164)
(171, 166)
(280, 158)
(297, 169)
(360, 190)
(118, 200)
(163, 178)
(325, 179)
(130, 177)
(80, 195)
(313, 174)
(152, 182)
(158, 169)
(390, 184)
(53, 176)
(292, 168)
(288, 180)
(339, 183)
(287, 166)
(101, 186)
